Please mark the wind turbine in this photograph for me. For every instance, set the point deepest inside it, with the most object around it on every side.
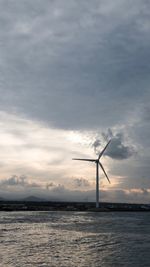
(98, 164)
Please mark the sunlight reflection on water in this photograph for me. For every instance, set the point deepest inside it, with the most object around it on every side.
(74, 239)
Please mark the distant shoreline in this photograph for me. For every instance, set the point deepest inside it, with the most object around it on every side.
(69, 206)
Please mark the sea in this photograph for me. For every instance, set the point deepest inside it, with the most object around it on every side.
(74, 239)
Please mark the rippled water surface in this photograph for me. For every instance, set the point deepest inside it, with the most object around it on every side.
(74, 239)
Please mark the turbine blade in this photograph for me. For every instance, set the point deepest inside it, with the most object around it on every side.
(104, 171)
(92, 160)
(101, 153)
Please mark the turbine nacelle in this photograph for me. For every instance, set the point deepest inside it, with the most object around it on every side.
(97, 161)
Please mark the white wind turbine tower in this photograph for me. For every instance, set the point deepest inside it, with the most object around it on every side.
(98, 163)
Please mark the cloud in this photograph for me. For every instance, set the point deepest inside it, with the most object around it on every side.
(14, 181)
(145, 191)
(93, 48)
(96, 145)
(81, 182)
(49, 185)
(60, 188)
(126, 196)
(117, 149)
(61, 193)
(18, 181)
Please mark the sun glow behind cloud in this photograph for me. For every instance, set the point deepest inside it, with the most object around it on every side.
(45, 154)
(31, 144)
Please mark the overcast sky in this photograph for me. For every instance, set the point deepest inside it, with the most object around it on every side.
(74, 74)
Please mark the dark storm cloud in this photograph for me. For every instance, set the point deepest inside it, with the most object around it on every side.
(116, 149)
(75, 62)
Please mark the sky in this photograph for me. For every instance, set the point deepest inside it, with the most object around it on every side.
(73, 75)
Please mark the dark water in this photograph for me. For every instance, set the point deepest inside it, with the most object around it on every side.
(74, 239)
